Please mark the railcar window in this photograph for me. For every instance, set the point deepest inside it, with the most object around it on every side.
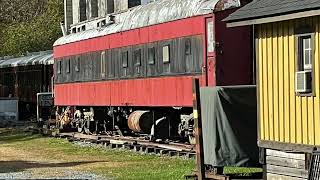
(166, 54)
(103, 64)
(59, 67)
(210, 37)
(188, 47)
(124, 57)
(77, 66)
(137, 57)
(151, 56)
(68, 66)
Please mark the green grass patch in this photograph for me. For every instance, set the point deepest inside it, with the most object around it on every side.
(118, 164)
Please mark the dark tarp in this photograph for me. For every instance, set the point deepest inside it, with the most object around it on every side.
(229, 121)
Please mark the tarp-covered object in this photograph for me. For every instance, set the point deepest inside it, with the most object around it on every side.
(229, 121)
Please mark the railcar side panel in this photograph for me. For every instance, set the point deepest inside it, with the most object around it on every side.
(162, 92)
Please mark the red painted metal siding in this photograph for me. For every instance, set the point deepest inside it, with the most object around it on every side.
(170, 30)
(168, 91)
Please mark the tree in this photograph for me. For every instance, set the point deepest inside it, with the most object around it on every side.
(20, 10)
(34, 26)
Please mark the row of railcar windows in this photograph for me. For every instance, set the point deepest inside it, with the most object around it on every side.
(163, 58)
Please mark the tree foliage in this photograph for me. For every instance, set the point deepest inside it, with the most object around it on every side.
(29, 26)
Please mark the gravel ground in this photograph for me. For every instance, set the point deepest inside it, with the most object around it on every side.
(55, 175)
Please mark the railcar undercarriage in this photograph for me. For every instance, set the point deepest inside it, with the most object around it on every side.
(155, 124)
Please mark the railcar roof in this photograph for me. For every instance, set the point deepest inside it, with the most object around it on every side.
(45, 57)
(150, 14)
(268, 8)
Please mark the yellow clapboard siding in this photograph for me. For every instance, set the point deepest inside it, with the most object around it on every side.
(299, 120)
(317, 80)
(304, 115)
(281, 78)
(265, 82)
(286, 85)
(261, 85)
(310, 100)
(270, 80)
(286, 116)
(292, 71)
(299, 131)
(275, 87)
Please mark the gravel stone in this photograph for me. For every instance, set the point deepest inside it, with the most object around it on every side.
(63, 175)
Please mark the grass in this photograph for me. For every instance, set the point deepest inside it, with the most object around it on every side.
(107, 162)
(118, 164)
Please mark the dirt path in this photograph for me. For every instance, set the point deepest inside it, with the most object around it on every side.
(21, 164)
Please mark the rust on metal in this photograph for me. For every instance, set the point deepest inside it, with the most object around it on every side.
(140, 121)
(134, 120)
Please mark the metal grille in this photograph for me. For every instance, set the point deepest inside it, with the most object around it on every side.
(314, 170)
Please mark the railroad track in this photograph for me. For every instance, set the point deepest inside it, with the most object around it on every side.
(134, 144)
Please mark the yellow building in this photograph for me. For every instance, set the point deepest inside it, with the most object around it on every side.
(287, 54)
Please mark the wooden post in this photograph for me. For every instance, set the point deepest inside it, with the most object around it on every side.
(198, 128)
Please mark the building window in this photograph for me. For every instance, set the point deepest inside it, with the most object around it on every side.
(77, 66)
(74, 30)
(188, 47)
(83, 10)
(110, 6)
(94, 8)
(103, 64)
(124, 57)
(68, 66)
(306, 52)
(305, 59)
(134, 3)
(59, 68)
(151, 56)
(137, 57)
(166, 54)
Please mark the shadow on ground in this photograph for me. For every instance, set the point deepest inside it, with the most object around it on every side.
(18, 166)
(11, 136)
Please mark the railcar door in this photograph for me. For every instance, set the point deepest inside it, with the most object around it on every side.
(209, 61)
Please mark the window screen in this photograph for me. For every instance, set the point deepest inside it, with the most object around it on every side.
(137, 57)
(103, 64)
(59, 68)
(188, 47)
(166, 54)
(124, 57)
(68, 66)
(151, 56)
(77, 65)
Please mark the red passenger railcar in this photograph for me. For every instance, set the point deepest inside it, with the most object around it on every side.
(134, 69)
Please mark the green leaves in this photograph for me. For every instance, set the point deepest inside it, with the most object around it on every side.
(30, 29)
